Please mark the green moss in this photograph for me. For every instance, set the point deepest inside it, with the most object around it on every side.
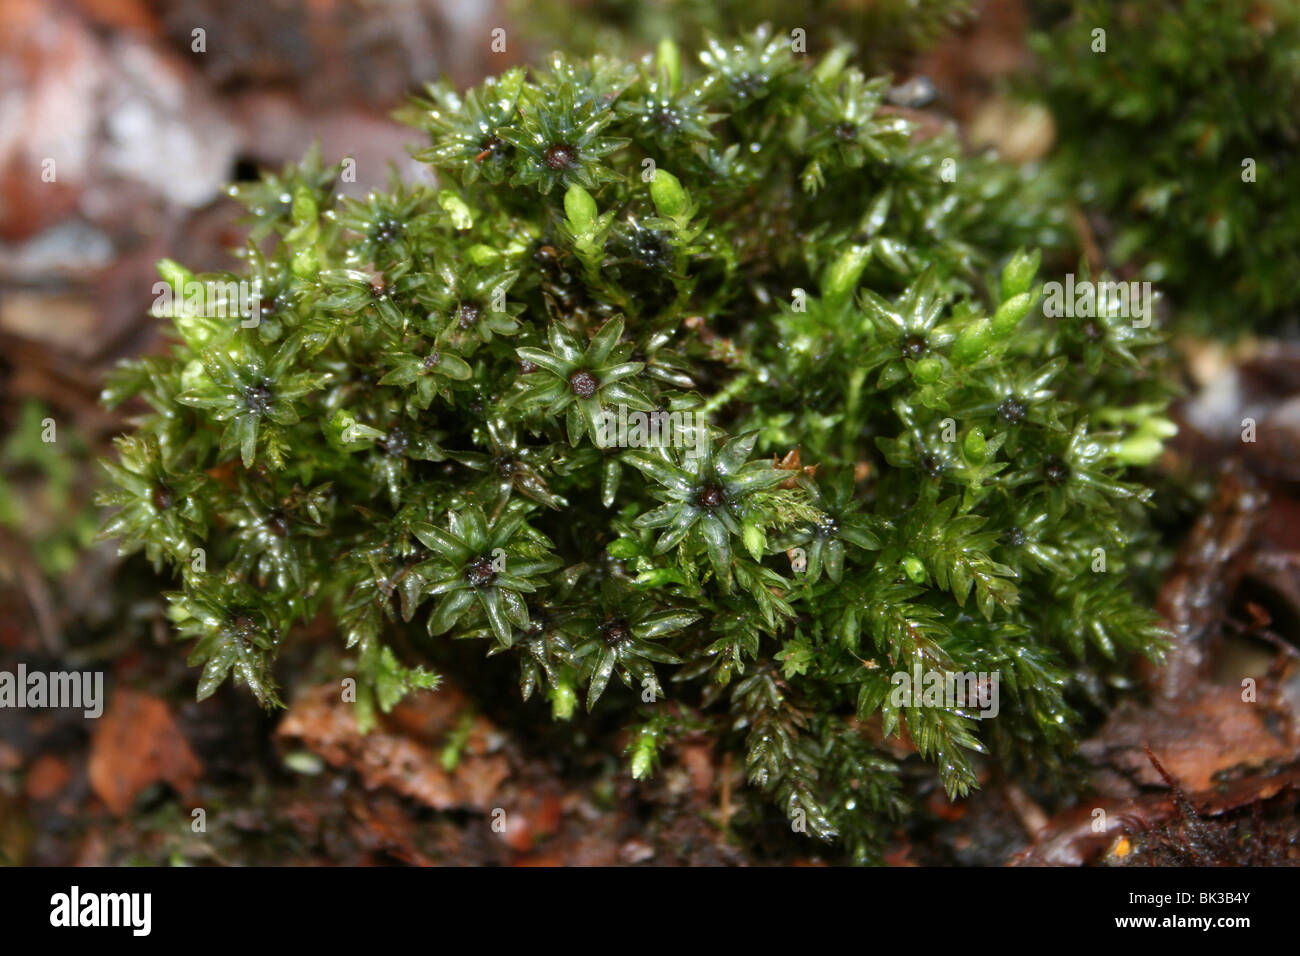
(430, 426)
(882, 32)
(42, 502)
(1177, 123)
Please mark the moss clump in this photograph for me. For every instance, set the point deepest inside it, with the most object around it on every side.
(709, 382)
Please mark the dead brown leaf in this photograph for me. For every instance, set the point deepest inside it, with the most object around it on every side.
(404, 752)
(137, 744)
(1195, 739)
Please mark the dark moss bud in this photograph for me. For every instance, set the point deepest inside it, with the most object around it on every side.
(481, 572)
(584, 384)
(560, 156)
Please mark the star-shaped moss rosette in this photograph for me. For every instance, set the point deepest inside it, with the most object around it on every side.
(395, 452)
(389, 231)
(559, 139)
(466, 131)
(848, 129)
(1109, 332)
(254, 396)
(666, 113)
(753, 68)
(709, 498)
(519, 467)
(1019, 399)
(237, 635)
(609, 460)
(468, 305)
(280, 294)
(430, 370)
(275, 532)
(490, 566)
(621, 640)
(1069, 471)
(582, 383)
(969, 459)
(159, 505)
(269, 200)
(908, 331)
(822, 543)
